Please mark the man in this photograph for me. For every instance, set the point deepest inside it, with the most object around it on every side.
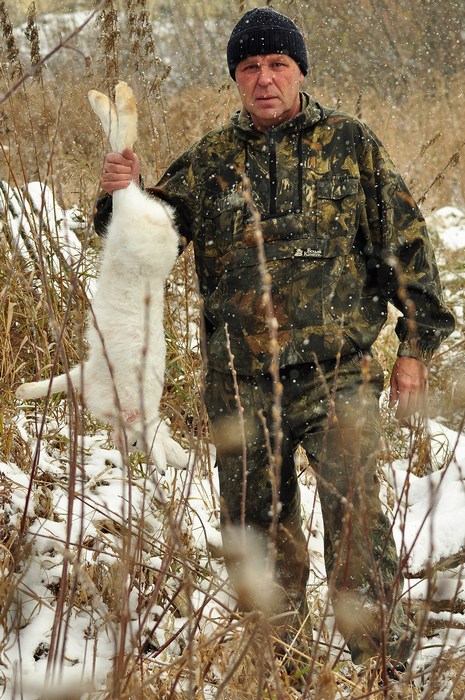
(342, 236)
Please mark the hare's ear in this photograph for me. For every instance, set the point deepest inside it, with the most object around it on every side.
(106, 112)
(126, 110)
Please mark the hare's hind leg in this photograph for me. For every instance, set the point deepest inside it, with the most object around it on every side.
(126, 109)
(106, 112)
(119, 122)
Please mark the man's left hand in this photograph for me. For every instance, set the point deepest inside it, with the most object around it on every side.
(409, 386)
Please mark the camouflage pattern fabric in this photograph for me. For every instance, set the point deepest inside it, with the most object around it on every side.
(342, 237)
(332, 410)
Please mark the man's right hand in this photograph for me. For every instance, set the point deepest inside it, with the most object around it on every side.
(119, 170)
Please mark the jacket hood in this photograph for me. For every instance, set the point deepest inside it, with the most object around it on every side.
(311, 113)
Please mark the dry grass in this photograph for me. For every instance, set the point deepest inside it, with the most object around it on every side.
(47, 135)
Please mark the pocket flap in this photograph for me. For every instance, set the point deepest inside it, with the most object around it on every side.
(337, 187)
(278, 250)
(214, 206)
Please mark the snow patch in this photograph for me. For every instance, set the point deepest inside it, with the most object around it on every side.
(449, 223)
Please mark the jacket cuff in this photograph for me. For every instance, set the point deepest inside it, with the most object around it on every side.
(414, 348)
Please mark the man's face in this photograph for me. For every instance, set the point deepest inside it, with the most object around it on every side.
(269, 88)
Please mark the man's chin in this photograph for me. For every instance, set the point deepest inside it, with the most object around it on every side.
(268, 113)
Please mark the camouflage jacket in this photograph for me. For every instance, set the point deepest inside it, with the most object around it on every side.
(342, 236)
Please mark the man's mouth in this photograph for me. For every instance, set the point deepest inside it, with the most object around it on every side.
(264, 99)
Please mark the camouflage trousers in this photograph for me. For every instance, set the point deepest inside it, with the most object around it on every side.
(332, 410)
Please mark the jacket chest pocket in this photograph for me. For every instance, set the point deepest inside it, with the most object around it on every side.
(337, 211)
(223, 221)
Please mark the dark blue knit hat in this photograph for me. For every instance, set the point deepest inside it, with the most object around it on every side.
(262, 31)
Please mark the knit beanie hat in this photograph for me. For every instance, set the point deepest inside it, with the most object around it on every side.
(263, 31)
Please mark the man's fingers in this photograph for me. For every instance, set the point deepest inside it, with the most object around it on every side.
(119, 170)
(402, 403)
(117, 167)
(409, 402)
(120, 165)
(110, 182)
(407, 405)
(409, 386)
(116, 176)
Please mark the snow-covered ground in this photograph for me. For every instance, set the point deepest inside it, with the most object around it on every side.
(449, 223)
(101, 539)
(87, 533)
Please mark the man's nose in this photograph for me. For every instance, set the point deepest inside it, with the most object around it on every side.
(266, 76)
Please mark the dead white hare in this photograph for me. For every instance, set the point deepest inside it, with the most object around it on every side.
(122, 380)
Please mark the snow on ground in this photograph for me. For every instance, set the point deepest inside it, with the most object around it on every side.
(81, 507)
(80, 532)
(430, 526)
(449, 223)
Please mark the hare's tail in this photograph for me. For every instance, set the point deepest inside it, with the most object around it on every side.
(35, 390)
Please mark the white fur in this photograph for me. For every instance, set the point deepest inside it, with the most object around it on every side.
(123, 376)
